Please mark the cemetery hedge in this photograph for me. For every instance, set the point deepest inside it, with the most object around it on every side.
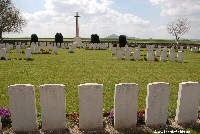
(93, 66)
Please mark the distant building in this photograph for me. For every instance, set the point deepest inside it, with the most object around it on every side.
(114, 36)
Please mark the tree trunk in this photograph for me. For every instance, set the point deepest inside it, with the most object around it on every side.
(177, 42)
(1, 37)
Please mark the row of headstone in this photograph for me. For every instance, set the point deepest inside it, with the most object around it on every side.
(193, 49)
(150, 54)
(53, 105)
(7, 46)
(95, 46)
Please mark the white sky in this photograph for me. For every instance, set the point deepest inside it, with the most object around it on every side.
(135, 18)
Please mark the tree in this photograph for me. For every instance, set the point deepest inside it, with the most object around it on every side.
(58, 38)
(95, 38)
(178, 27)
(122, 40)
(34, 38)
(10, 18)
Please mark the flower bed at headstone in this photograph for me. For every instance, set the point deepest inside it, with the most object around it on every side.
(5, 117)
(108, 124)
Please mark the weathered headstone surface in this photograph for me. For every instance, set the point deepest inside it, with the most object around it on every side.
(150, 55)
(71, 48)
(125, 105)
(188, 102)
(128, 53)
(28, 53)
(157, 102)
(37, 49)
(53, 105)
(23, 107)
(33, 48)
(172, 55)
(163, 56)
(180, 56)
(3, 53)
(158, 51)
(165, 49)
(90, 106)
(114, 50)
(123, 50)
(7, 48)
(18, 49)
(119, 55)
(55, 49)
(181, 48)
(188, 48)
(137, 54)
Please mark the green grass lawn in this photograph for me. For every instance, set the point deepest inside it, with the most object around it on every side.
(95, 66)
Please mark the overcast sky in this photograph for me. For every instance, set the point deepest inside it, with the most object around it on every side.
(135, 18)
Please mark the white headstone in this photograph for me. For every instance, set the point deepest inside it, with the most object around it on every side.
(33, 48)
(28, 53)
(150, 55)
(137, 54)
(11, 46)
(128, 53)
(71, 48)
(55, 49)
(7, 47)
(180, 56)
(18, 49)
(123, 50)
(125, 105)
(114, 50)
(172, 55)
(23, 45)
(188, 48)
(188, 102)
(119, 55)
(23, 107)
(165, 49)
(37, 49)
(163, 56)
(91, 106)
(3, 53)
(4, 45)
(181, 48)
(157, 102)
(158, 51)
(53, 106)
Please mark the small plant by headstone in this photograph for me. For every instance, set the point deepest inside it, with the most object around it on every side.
(156, 59)
(5, 117)
(145, 58)
(3, 58)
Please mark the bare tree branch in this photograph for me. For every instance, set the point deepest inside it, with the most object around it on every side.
(178, 27)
